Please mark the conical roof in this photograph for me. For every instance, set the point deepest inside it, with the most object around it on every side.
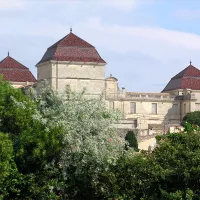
(14, 71)
(72, 48)
(187, 78)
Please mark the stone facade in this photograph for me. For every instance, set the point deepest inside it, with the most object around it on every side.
(151, 113)
(77, 75)
(72, 62)
(75, 63)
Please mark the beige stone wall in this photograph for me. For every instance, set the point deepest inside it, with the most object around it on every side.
(79, 76)
(44, 71)
(82, 70)
(144, 114)
(195, 101)
(168, 109)
(21, 84)
(111, 85)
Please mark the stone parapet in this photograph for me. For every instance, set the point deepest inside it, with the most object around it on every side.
(128, 96)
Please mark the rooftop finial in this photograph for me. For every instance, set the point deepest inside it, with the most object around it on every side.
(190, 62)
(70, 30)
(8, 53)
(110, 75)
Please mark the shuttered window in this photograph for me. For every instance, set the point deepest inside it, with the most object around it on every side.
(133, 107)
(135, 123)
(154, 108)
(175, 109)
(112, 104)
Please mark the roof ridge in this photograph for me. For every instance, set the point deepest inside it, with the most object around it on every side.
(72, 48)
(187, 78)
(9, 57)
(58, 43)
(185, 71)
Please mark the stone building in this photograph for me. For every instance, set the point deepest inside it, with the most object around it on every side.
(75, 63)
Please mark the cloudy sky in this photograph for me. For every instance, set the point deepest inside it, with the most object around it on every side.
(144, 42)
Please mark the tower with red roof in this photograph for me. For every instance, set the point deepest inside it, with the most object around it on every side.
(16, 73)
(74, 62)
(186, 86)
(189, 78)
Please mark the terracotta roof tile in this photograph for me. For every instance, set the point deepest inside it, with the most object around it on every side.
(191, 83)
(72, 40)
(188, 78)
(188, 71)
(14, 71)
(9, 62)
(72, 48)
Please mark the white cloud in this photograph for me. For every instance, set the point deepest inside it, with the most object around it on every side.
(122, 34)
(158, 53)
(12, 4)
(164, 52)
(125, 5)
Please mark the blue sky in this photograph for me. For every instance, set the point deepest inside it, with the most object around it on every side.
(144, 42)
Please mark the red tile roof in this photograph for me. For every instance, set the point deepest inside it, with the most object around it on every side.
(14, 71)
(188, 71)
(72, 48)
(188, 78)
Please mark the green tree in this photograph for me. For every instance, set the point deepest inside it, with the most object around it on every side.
(90, 144)
(7, 165)
(192, 118)
(170, 172)
(132, 140)
(36, 147)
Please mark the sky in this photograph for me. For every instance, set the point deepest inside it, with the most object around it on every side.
(144, 42)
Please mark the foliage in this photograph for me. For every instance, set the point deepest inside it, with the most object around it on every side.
(170, 172)
(63, 146)
(90, 144)
(132, 140)
(6, 155)
(34, 146)
(192, 118)
(178, 157)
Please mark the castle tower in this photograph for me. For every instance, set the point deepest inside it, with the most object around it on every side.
(186, 85)
(186, 79)
(74, 62)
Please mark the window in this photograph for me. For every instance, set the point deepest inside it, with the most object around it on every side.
(133, 107)
(112, 104)
(175, 109)
(135, 123)
(154, 108)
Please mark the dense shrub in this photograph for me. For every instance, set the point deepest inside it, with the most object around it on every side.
(192, 118)
(132, 140)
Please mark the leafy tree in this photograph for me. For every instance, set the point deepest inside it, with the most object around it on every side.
(192, 118)
(6, 156)
(132, 140)
(7, 165)
(177, 156)
(35, 146)
(170, 172)
(90, 144)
